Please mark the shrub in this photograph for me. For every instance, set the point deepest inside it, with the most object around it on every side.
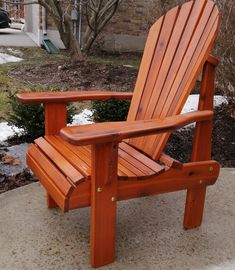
(30, 118)
(110, 110)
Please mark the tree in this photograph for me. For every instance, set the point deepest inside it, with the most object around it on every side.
(98, 14)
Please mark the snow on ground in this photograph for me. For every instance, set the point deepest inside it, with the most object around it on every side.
(83, 118)
(7, 131)
(14, 52)
(78, 119)
(6, 58)
(192, 103)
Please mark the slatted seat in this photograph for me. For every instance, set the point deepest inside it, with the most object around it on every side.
(67, 165)
(100, 164)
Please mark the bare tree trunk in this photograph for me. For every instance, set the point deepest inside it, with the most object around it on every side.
(63, 24)
(69, 40)
(98, 13)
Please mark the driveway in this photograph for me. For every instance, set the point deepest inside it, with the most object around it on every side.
(17, 38)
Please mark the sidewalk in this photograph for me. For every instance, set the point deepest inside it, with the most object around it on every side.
(149, 232)
(13, 37)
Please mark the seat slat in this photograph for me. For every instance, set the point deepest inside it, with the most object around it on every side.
(79, 152)
(48, 184)
(131, 163)
(132, 170)
(59, 180)
(75, 177)
(148, 162)
(84, 152)
(144, 169)
(72, 158)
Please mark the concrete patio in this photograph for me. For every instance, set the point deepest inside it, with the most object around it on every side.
(149, 232)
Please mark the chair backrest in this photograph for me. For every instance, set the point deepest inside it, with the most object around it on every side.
(177, 46)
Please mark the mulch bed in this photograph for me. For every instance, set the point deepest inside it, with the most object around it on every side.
(79, 75)
(15, 181)
(88, 75)
(223, 140)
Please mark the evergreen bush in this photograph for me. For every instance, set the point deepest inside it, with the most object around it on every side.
(30, 118)
(110, 110)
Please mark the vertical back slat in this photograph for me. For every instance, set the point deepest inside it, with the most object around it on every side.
(166, 103)
(184, 41)
(146, 62)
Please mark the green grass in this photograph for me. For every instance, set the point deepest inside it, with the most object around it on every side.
(32, 56)
(134, 61)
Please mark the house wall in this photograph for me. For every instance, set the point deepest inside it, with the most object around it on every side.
(32, 22)
(128, 28)
(126, 31)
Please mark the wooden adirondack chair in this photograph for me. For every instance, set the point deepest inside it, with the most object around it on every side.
(97, 165)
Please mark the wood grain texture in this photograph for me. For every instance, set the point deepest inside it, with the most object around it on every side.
(97, 165)
(195, 199)
(170, 162)
(70, 96)
(103, 207)
(118, 131)
(189, 33)
(187, 177)
(55, 118)
(172, 180)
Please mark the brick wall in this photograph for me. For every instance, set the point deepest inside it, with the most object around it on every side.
(128, 28)
(134, 17)
(131, 18)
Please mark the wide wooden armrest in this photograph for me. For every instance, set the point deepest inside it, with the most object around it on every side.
(70, 96)
(117, 131)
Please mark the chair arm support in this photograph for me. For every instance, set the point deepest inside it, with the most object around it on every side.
(118, 131)
(70, 96)
(212, 60)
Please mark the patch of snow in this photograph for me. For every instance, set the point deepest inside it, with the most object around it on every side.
(15, 52)
(7, 131)
(128, 66)
(82, 118)
(6, 58)
(192, 103)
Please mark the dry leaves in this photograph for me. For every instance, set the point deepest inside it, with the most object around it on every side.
(10, 160)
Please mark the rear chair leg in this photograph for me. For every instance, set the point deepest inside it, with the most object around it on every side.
(194, 207)
(201, 148)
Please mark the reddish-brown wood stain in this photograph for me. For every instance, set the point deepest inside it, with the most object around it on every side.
(100, 164)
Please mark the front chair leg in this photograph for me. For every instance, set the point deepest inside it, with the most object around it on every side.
(194, 207)
(50, 202)
(103, 203)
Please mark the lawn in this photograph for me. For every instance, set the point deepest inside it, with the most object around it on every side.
(40, 64)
